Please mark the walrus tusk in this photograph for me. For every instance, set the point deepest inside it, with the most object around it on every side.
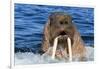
(69, 49)
(55, 46)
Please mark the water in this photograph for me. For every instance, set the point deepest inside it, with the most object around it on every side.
(30, 20)
(29, 58)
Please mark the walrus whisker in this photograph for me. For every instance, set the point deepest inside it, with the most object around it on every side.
(55, 46)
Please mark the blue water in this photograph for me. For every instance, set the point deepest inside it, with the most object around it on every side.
(30, 20)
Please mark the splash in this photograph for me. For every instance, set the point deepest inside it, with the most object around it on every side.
(31, 58)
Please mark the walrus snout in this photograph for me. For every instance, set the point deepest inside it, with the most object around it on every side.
(62, 40)
(63, 35)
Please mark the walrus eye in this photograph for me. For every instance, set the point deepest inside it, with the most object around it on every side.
(61, 22)
(66, 22)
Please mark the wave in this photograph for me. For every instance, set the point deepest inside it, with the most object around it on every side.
(28, 58)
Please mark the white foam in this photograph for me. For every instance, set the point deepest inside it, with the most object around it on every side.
(31, 58)
(89, 53)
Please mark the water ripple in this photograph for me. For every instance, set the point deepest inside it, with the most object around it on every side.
(30, 20)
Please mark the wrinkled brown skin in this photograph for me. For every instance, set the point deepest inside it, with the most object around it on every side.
(58, 22)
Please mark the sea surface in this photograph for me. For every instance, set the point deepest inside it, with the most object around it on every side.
(29, 21)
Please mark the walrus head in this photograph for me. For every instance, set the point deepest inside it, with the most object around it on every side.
(60, 24)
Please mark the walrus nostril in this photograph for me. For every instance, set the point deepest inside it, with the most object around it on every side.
(63, 33)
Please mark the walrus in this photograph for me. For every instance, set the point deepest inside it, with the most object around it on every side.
(60, 24)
